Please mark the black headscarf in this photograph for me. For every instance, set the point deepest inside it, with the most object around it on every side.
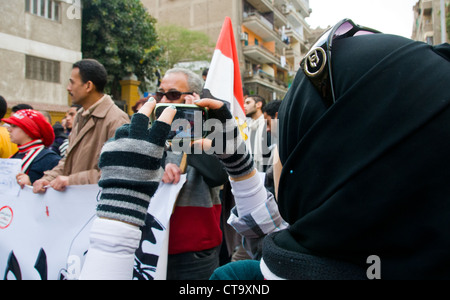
(371, 174)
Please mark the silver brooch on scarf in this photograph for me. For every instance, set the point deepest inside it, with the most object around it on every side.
(315, 62)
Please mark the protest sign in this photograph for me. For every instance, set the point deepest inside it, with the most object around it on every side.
(46, 236)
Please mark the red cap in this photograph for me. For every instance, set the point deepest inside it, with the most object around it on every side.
(34, 124)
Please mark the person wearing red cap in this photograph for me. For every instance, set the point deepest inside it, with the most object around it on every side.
(33, 134)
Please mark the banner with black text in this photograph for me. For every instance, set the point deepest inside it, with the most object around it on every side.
(46, 237)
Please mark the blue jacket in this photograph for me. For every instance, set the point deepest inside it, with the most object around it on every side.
(46, 160)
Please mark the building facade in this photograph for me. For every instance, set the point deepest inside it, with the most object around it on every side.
(39, 42)
(272, 35)
(427, 21)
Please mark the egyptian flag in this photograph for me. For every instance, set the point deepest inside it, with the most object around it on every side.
(224, 77)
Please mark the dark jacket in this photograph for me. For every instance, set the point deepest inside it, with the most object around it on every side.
(369, 175)
(46, 160)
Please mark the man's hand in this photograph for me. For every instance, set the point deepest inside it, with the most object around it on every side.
(40, 186)
(60, 183)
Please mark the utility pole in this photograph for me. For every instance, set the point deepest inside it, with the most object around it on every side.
(443, 24)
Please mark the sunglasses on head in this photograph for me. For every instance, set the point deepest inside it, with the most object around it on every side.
(317, 63)
(171, 96)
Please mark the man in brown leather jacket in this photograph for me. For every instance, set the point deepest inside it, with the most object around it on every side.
(94, 124)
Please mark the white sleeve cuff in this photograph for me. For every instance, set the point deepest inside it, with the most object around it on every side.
(249, 194)
(112, 250)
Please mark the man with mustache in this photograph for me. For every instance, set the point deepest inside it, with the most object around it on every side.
(95, 123)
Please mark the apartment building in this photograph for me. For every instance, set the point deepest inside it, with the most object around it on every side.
(427, 21)
(272, 35)
(39, 42)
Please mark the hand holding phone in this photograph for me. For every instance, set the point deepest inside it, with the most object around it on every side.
(231, 149)
(188, 122)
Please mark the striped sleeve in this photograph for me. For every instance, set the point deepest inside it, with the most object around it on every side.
(131, 171)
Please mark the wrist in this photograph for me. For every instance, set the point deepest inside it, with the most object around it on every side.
(123, 205)
(245, 177)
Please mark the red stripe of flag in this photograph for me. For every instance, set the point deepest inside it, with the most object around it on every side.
(226, 46)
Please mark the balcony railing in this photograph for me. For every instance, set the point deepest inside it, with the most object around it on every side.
(262, 55)
(262, 77)
(263, 27)
(258, 16)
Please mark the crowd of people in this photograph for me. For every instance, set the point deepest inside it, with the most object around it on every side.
(68, 154)
(356, 165)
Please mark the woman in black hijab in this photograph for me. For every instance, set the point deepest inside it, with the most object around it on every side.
(368, 175)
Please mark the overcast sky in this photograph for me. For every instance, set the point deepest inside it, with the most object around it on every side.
(388, 16)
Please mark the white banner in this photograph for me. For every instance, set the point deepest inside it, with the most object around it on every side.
(47, 236)
(8, 170)
(151, 257)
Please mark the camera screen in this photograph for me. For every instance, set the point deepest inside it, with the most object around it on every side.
(187, 124)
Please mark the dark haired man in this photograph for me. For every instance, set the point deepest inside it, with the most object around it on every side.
(95, 123)
(271, 116)
(254, 106)
(270, 112)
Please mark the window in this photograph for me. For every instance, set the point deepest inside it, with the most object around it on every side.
(41, 69)
(48, 9)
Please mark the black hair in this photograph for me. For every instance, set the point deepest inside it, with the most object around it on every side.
(92, 70)
(3, 107)
(257, 99)
(21, 107)
(272, 108)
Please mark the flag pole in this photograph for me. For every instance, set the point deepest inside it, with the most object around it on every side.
(443, 24)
